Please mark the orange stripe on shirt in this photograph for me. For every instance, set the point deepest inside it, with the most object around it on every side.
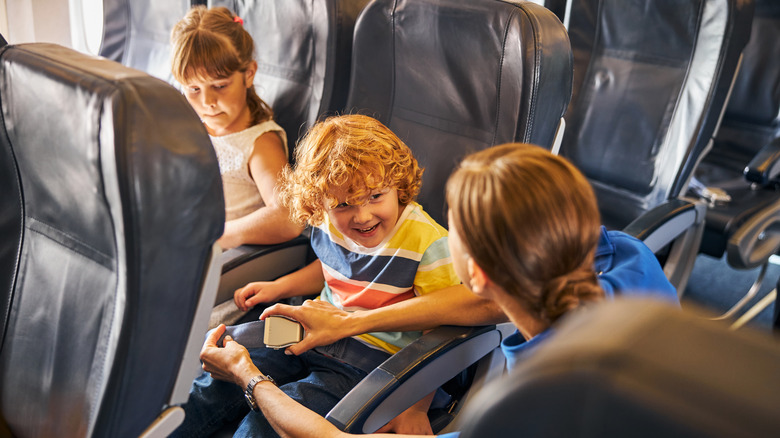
(352, 295)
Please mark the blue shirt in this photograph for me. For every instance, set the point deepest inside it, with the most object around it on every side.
(625, 266)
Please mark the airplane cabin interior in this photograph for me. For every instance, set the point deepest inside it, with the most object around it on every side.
(112, 205)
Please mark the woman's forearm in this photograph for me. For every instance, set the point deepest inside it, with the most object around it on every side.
(454, 305)
(290, 419)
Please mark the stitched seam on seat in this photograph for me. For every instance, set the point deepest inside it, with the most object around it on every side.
(501, 74)
(536, 31)
(445, 125)
(391, 105)
(20, 196)
(69, 241)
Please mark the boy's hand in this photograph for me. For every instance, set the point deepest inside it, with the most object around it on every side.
(324, 323)
(255, 293)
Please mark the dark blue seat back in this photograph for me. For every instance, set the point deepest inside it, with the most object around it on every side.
(111, 203)
(302, 48)
(450, 77)
(752, 118)
(137, 33)
(636, 368)
(650, 81)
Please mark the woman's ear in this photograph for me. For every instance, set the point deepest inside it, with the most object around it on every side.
(478, 280)
(249, 74)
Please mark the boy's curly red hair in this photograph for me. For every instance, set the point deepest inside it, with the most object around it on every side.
(355, 153)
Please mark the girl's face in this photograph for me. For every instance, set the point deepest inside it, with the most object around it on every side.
(369, 223)
(221, 102)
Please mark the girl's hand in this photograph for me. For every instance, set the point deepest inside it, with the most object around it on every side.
(255, 293)
(323, 323)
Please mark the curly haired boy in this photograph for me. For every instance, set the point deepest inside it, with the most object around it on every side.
(355, 183)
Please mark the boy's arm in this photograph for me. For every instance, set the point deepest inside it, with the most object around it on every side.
(453, 305)
(325, 324)
(305, 281)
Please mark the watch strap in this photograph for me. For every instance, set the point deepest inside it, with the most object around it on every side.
(249, 392)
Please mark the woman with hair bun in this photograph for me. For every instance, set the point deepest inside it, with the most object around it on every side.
(525, 233)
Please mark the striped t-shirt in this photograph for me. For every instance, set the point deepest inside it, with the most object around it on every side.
(413, 259)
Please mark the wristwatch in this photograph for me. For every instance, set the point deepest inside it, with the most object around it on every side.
(249, 392)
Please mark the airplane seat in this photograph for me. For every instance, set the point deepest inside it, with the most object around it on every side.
(651, 80)
(663, 373)
(776, 312)
(137, 33)
(107, 262)
(449, 78)
(740, 177)
(302, 48)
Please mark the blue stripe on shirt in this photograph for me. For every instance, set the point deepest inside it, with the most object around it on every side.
(390, 270)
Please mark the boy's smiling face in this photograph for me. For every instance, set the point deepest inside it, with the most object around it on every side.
(370, 222)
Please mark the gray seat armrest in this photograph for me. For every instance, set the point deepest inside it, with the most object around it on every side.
(234, 257)
(755, 240)
(765, 165)
(249, 263)
(679, 222)
(666, 222)
(412, 373)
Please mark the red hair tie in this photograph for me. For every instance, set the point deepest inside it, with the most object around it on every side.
(238, 20)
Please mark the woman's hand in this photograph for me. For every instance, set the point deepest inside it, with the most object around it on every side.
(230, 363)
(324, 323)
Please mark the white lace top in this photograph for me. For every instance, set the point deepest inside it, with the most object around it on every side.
(233, 152)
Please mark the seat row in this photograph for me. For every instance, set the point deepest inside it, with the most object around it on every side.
(630, 141)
